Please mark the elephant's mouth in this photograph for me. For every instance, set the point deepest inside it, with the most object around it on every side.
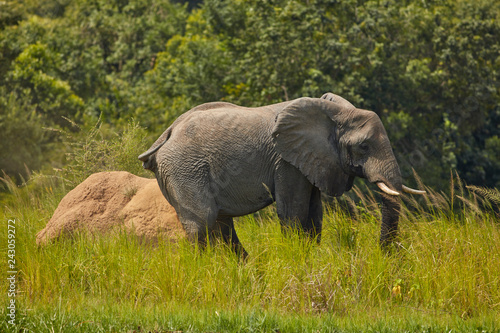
(354, 171)
(357, 171)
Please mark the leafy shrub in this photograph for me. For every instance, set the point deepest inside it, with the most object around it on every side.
(102, 149)
(21, 136)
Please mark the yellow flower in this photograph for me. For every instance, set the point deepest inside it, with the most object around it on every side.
(396, 291)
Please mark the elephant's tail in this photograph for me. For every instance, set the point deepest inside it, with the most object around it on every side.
(147, 158)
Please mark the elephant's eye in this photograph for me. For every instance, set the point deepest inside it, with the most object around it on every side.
(364, 146)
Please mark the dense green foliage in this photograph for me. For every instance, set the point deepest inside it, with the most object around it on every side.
(430, 69)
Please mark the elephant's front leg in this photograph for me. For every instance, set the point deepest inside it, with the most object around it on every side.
(224, 227)
(314, 222)
(297, 200)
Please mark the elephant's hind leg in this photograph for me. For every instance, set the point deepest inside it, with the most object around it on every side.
(202, 225)
(198, 228)
(197, 217)
(224, 227)
(195, 207)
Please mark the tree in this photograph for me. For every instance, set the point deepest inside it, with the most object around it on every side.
(21, 135)
(430, 70)
(78, 60)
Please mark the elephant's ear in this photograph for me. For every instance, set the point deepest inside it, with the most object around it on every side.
(339, 100)
(305, 136)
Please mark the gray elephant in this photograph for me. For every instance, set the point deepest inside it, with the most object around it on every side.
(219, 160)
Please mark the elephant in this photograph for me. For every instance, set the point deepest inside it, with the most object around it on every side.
(220, 160)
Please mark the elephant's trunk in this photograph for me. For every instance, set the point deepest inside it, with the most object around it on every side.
(390, 219)
(391, 186)
(391, 204)
(388, 178)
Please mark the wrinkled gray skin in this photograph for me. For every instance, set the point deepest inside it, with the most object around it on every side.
(220, 160)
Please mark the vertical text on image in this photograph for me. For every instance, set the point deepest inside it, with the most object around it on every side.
(11, 270)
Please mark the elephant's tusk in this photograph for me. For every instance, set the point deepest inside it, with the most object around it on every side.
(413, 191)
(386, 189)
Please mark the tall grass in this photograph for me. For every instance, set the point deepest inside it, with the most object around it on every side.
(444, 276)
(447, 267)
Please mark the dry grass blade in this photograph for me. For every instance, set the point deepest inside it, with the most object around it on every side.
(8, 183)
(422, 186)
(439, 200)
(361, 196)
(371, 198)
(452, 189)
(353, 209)
(472, 204)
(490, 194)
(460, 184)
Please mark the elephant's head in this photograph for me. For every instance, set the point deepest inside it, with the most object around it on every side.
(332, 142)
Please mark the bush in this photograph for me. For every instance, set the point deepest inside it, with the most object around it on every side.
(102, 149)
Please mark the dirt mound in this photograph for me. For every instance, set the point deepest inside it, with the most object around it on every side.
(109, 201)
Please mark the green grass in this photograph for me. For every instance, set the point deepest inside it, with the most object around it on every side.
(444, 277)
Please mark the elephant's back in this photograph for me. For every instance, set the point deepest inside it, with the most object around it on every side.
(231, 123)
(228, 150)
(223, 134)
